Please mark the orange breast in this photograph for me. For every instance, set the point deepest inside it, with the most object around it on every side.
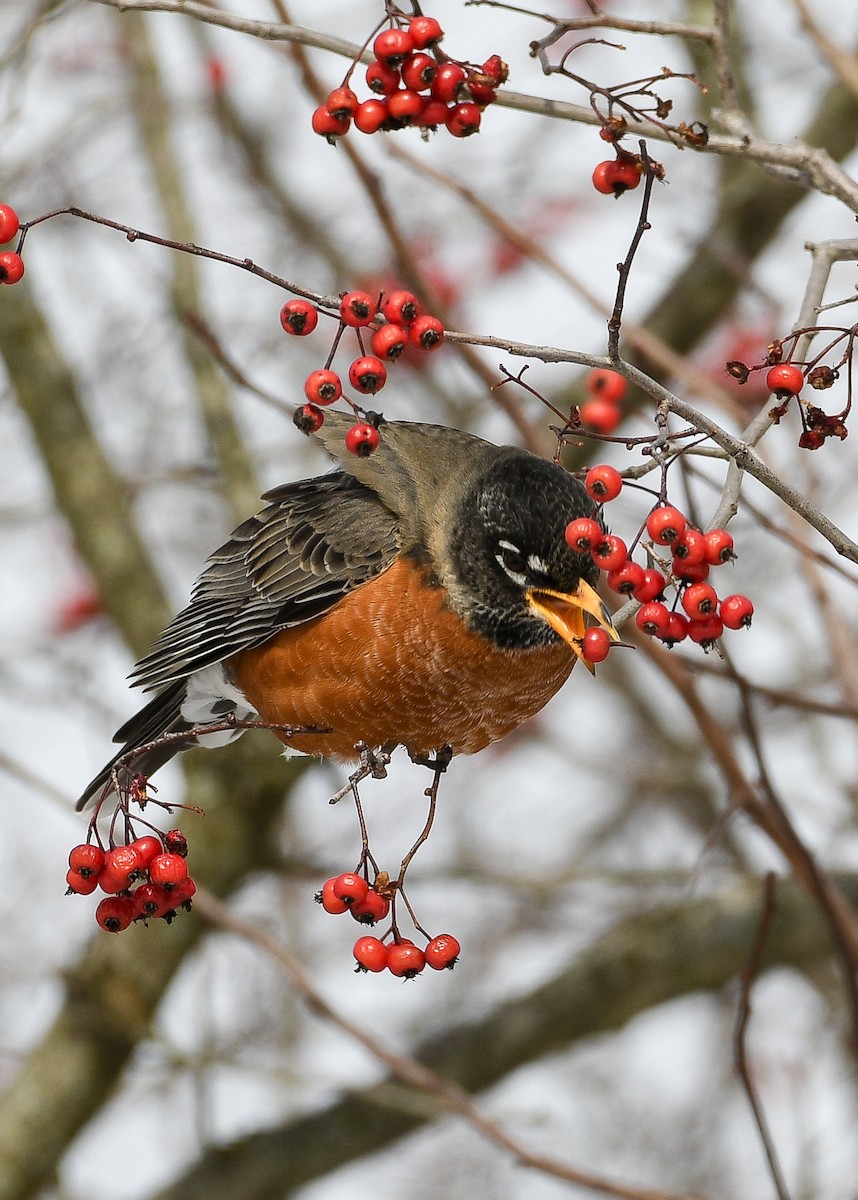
(391, 663)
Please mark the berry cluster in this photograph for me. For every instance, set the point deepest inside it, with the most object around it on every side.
(368, 903)
(601, 410)
(693, 554)
(397, 322)
(11, 263)
(414, 83)
(145, 879)
(786, 380)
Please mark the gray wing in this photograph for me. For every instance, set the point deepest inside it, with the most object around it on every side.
(314, 542)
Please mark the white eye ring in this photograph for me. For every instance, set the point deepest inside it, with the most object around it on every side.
(518, 577)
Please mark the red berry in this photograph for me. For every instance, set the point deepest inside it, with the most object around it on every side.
(699, 600)
(374, 907)
(175, 842)
(695, 572)
(147, 848)
(496, 69)
(308, 418)
(405, 960)
(84, 885)
(329, 902)
(583, 534)
(299, 317)
(120, 867)
(405, 106)
(610, 552)
(329, 126)
(665, 525)
(677, 629)
(370, 954)
(427, 333)
(368, 374)
(115, 913)
(601, 415)
(388, 342)
(785, 379)
(616, 176)
(425, 31)
(400, 308)
(381, 79)
(362, 439)
(706, 630)
(736, 611)
(609, 385)
(626, 578)
(87, 860)
(653, 618)
(443, 950)
(167, 870)
(482, 94)
(464, 119)
(370, 116)
(9, 223)
(356, 308)
(392, 45)
(650, 587)
(323, 387)
(418, 71)
(11, 267)
(719, 547)
(151, 900)
(341, 102)
(183, 892)
(349, 887)
(689, 548)
(448, 82)
(597, 645)
(604, 483)
(432, 114)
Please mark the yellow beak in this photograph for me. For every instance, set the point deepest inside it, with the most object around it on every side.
(565, 614)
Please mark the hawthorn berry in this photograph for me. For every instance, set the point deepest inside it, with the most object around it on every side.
(329, 902)
(664, 525)
(651, 586)
(426, 333)
(374, 907)
(120, 869)
(432, 114)
(601, 415)
(699, 599)
(362, 439)
(147, 848)
(370, 954)
(719, 547)
(736, 611)
(690, 572)
(175, 842)
(626, 578)
(382, 79)
(151, 901)
(168, 870)
(496, 69)
(356, 308)
(443, 951)
(299, 317)
(323, 387)
(785, 379)
(448, 82)
(616, 176)
(341, 102)
(677, 629)
(482, 94)
(308, 418)
(115, 913)
(405, 960)
(86, 860)
(9, 223)
(11, 267)
(597, 646)
(689, 548)
(464, 119)
(329, 126)
(389, 342)
(83, 885)
(609, 385)
(349, 887)
(183, 892)
(370, 116)
(391, 46)
(653, 618)
(706, 631)
(425, 31)
(405, 106)
(400, 308)
(368, 374)
(418, 70)
(583, 534)
(610, 552)
(603, 483)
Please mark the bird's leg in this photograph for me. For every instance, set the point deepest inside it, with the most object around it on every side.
(438, 762)
(438, 765)
(372, 762)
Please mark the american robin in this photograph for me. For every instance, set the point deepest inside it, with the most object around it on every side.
(421, 596)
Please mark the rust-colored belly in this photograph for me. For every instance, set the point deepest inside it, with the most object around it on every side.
(391, 663)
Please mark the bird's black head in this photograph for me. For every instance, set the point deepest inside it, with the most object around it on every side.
(515, 580)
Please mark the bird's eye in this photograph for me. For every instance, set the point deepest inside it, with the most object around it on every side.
(512, 559)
